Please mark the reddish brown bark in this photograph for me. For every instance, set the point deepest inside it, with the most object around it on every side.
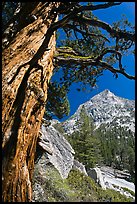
(24, 93)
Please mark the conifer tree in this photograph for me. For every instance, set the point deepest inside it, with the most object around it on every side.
(85, 143)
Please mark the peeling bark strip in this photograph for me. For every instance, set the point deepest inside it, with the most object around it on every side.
(24, 93)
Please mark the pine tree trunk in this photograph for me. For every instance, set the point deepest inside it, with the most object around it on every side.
(24, 93)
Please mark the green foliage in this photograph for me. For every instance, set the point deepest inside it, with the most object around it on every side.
(117, 148)
(80, 72)
(55, 188)
(93, 192)
(83, 185)
(85, 143)
(128, 190)
(110, 195)
(111, 146)
(8, 9)
(89, 41)
(85, 76)
(75, 188)
(57, 102)
(59, 128)
(86, 46)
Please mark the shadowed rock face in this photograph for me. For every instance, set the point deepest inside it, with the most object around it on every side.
(96, 174)
(80, 167)
(59, 151)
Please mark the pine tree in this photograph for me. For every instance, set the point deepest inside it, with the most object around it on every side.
(85, 144)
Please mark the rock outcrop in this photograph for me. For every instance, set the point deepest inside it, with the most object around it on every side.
(79, 166)
(59, 151)
(96, 174)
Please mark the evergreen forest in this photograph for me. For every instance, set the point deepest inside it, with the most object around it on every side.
(113, 146)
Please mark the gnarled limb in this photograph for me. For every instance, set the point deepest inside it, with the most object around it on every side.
(85, 33)
(61, 58)
(112, 31)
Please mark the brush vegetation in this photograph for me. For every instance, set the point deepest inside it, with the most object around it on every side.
(77, 187)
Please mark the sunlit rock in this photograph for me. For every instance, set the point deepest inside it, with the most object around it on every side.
(59, 151)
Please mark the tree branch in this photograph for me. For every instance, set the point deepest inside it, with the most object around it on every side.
(113, 70)
(73, 16)
(79, 60)
(85, 33)
(99, 6)
(77, 10)
(82, 20)
(118, 56)
(113, 32)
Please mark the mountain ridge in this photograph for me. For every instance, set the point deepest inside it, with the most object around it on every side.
(108, 108)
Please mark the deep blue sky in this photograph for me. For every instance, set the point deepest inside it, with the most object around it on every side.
(121, 86)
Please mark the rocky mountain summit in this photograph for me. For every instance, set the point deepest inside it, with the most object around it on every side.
(105, 108)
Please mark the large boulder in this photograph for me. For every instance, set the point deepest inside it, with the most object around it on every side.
(96, 174)
(59, 151)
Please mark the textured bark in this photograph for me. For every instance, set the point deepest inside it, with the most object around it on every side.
(24, 93)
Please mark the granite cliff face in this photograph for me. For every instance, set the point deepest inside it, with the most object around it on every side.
(59, 151)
